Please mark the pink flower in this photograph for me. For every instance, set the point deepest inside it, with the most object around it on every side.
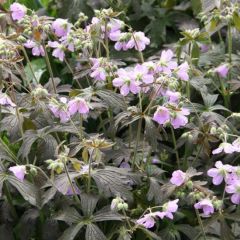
(19, 171)
(58, 52)
(151, 66)
(173, 97)
(182, 71)
(179, 119)
(126, 83)
(220, 172)
(147, 220)
(113, 25)
(166, 65)
(18, 11)
(61, 27)
(162, 115)
(224, 147)
(121, 40)
(140, 73)
(99, 72)
(139, 41)
(178, 178)
(168, 209)
(5, 100)
(37, 49)
(204, 48)
(206, 205)
(235, 189)
(70, 191)
(78, 105)
(222, 70)
(59, 109)
(236, 144)
(233, 176)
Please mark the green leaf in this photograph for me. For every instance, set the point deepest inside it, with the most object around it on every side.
(112, 99)
(38, 67)
(195, 52)
(2, 179)
(71, 232)
(69, 215)
(28, 191)
(236, 20)
(88, 203)
(106, 214)
(94, 233)
(111, 181)
(151, 132)
(29, 138)
(152, 235)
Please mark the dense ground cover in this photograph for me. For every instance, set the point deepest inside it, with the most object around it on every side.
(119, 120)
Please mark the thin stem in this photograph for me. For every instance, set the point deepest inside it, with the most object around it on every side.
(201, 224)
(175, 147)
(224, 93)
(70, 182)
(137, 141)
(106, 41)
(30, 66)
(49, 69)
(89, 172)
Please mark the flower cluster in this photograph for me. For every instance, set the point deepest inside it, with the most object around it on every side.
(228, 147)
(64, 109)
(148, 220)
(231, 176)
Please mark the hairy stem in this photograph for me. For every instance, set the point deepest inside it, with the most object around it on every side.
(175, 147)
(50, 69)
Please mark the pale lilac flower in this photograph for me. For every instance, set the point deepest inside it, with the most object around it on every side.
(206, 205)
(151, 66)
(58, 52)
(182, 71)
(220, 172)
(59, 109)
(178, 178)
(5, 100)
(18, 11)
(125, 83)
(147, 220)
(233, 176)
(67, 42)
(99, 72)
(140, 74)
(37, 48)
(166, 65)
(70, 189)
(154, 160)
(173, 97)
(179, 118)
(234, 188)
(18, 171)
(125, 165)
(113, 25)
(236, 144)
(61, 27)
(78, 105)
(204, 48)
(121, 40)
(162, 115)
(224, 147)
(168, 209)
(138, 41)
(222, 70)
